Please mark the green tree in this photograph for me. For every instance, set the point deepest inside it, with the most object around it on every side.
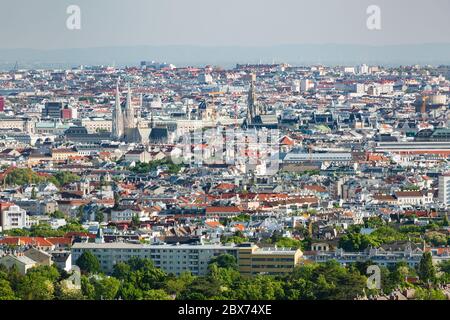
(175, 285)
(33, 193)
(6, 292)
(429, 294)
(14, 278)
(357, 242)
(17, 232)
(99, 216)
(224, 261)
(88, 263)
(226, 277)
(63, 292)
(325, 281)
(201, 289)
(23, 176)
(87, 288)
(105, 288)
(289, 243)
(426, 270)
(57, 214)
(35, 286)
(242, 218)
(156, 294)
(140, 273)
(72, 226)
(129, 291)
(44, 230)
(444, 266)
(436, 238)
(80, 212)
(135, 221)
(63, 177)
(121, 270)
(49, 272)
(259, 288)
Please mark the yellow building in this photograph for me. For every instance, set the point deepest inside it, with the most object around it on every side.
(63, 154)
(254, 260)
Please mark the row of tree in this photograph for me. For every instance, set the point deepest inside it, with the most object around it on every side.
(139, 279)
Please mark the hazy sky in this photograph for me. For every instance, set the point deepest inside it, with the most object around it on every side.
(42, 24)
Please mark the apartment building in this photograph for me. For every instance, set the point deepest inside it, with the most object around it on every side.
(12, 217)
(179, 258)
(413, 197)
(379, 256)
(171, 258)
(254, 260)
(63, 154)
(444, 190)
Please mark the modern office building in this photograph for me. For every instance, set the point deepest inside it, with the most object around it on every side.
(52, 110)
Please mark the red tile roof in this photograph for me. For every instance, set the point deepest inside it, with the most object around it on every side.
(67, 241)
(22, 241)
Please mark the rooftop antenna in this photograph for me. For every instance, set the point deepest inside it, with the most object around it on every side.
(16, 67)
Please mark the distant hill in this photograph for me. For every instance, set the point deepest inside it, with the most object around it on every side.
(227, 56)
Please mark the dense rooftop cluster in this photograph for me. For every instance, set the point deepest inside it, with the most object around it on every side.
(279, 168)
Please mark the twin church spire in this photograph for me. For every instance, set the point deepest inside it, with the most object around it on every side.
(122, 120)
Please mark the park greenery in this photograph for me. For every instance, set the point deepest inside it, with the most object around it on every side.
(142, 167)
(26, 176)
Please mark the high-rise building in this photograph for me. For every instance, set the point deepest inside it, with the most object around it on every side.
(444, 189)
(52, 110)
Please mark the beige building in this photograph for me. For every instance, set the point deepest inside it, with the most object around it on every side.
(138, 156)
(254, 260)
(22, 124)
(94, 125)
(63, 154)
(12, 217)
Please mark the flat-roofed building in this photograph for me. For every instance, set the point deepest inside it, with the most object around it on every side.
(95, 125)
(170, 258)
(195, 258)
(254, 260)
(317, 157)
